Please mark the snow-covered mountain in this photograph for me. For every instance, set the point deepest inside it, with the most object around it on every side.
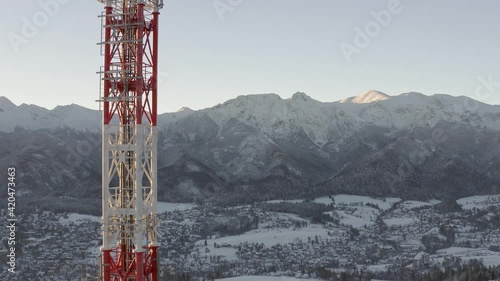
(279, 117)
(29, 116)
(264, 147)
(415, 109)
(368, 97)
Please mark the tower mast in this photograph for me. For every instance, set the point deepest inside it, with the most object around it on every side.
(129, 139)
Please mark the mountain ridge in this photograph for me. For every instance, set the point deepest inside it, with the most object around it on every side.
(265, 147)
(365, 101)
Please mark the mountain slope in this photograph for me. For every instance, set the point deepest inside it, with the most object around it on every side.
(34, 117)
(261, 147)
(408, 168)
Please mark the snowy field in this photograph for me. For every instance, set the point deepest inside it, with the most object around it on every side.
(358, 218)
(487, 257)
(271, 237)
(354, 211)
(79, 218)
(480, 201)
(358, 214)
(378, 267)
(228, 253)
(415, 204)
(400, 221)
(287, 216)
(343, 199)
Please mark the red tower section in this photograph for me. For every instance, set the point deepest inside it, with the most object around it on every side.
(129, 139)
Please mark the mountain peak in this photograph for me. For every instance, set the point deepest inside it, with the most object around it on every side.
(370, 96)
(69, 107)
(367, 97)
(246, 100)
(301, 96)
(185, 109)
(5, 103)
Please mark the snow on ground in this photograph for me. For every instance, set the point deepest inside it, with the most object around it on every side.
(456, 251)
(412, 243)
(270, 237)
(383, 204)
(323, 200)
(479, 201)
(353, 209)
(487, 257)
(414, 204)
(228, 253)
(434, 201)
(184, 222)
(357, 216)
(265, 278)
(378, 267)
(353, 221)
(400, 221)
(78, 218)
(288, 216)
(163, 207)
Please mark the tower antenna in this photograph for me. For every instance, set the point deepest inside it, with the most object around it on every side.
(129, 93)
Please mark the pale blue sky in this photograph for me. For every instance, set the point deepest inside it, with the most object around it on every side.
(262, 46)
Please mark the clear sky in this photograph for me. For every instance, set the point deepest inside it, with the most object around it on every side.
(208, 56)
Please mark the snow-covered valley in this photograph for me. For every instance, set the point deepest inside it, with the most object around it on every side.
(352, 234)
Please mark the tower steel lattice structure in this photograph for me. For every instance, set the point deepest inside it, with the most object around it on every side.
(129, 93)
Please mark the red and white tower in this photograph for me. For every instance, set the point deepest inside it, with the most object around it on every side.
(129, 139)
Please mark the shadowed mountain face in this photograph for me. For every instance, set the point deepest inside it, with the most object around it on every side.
(264, 147)
(415, 167)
